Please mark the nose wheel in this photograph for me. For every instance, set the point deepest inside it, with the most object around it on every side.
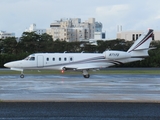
(21, 76)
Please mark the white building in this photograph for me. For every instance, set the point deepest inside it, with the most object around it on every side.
(134, 35)
(129, 35)
(33, 28)
(99, 35)
(4, 34)
(73, 29)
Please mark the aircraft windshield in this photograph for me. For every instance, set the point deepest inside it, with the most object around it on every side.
(27, 58)
(30, 58)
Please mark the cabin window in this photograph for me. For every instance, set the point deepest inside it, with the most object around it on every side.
(59, 59)
(71, 59)
(47, 59)
(53, 59)
(65, 59)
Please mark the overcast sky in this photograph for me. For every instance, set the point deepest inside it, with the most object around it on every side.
(17, 15)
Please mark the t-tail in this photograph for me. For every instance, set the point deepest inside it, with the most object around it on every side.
(141, 46)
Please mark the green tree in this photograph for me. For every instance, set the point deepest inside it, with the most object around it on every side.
(9, 45)
(45, 43)
(29, 42)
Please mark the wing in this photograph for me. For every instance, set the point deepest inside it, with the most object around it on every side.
(80, 67)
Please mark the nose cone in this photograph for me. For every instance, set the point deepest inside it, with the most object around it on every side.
(15, 65)
(8, 65)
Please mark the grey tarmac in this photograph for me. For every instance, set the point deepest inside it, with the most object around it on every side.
(70, 97)
(115, 88)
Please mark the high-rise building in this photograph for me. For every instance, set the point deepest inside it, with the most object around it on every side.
(73, 29)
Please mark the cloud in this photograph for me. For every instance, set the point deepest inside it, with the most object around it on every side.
(112, 11)
(132, 15)
(17, 15)
(111, 16)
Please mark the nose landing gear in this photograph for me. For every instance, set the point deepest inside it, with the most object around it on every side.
(21, 76)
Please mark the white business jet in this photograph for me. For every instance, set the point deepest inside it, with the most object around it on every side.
(84, 61)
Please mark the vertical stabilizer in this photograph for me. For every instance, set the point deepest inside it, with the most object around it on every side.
(141, 45)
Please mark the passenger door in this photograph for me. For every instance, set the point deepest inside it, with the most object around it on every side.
(40, 61)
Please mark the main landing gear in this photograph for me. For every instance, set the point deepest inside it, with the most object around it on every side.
(85, 74)
(22, 75)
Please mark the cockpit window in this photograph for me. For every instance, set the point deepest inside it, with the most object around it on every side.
(32, 58)
(27, 58)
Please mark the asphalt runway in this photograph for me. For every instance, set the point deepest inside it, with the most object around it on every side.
(70, 97)
(125, 88)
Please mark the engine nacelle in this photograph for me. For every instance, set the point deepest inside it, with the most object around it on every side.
(116, 55)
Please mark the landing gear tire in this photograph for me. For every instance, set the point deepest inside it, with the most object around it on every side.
(64, 69)
(86, 76)
(21, 76)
